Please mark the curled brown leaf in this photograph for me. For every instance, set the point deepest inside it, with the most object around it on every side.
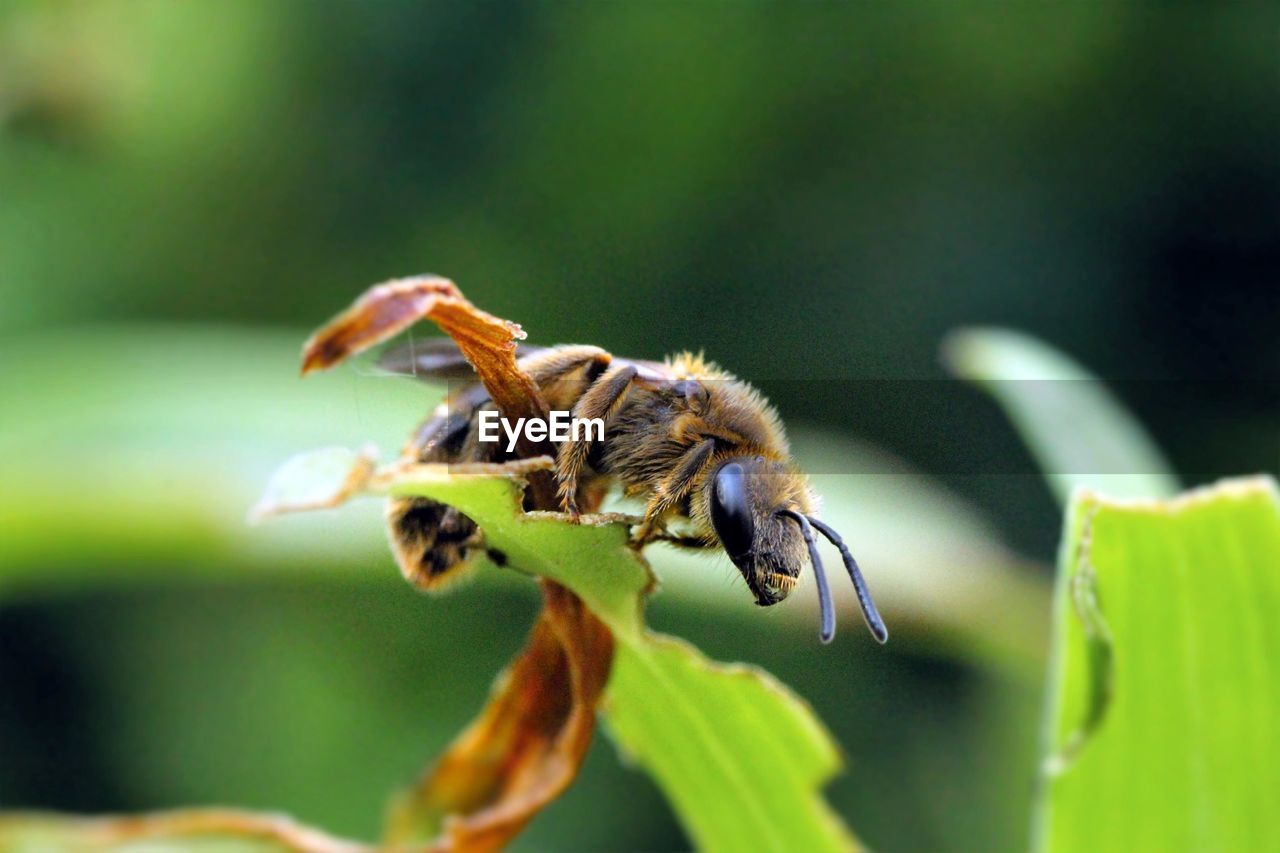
(487, 342)
(527, 745)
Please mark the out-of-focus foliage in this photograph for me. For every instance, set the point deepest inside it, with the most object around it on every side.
(1162, 728)
(649, 179)
(1080, 435)
(197, 831)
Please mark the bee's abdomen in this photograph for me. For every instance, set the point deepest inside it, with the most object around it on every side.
(432, 542)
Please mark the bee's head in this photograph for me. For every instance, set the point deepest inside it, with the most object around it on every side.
(768, 549)
(757, 510)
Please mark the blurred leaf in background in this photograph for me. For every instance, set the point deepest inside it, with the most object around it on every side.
(1078, 432)
(1076, 172)
(220, 830)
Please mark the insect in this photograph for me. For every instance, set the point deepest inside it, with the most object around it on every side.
(700, 447)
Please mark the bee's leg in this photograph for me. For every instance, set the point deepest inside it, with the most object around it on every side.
(691, 424)
(562, 375)
(558, 363)
(687, 473)
(599, 401)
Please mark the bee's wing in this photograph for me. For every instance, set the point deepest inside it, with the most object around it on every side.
(435, 360)
(440, 360)
(654, 371)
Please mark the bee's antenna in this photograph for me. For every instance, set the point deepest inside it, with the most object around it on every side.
(828, 630)
(869, 612)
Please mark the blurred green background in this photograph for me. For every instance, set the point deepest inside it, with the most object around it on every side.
(816, 192)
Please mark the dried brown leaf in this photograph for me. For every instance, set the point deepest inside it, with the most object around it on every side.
(487, 342)
(527, 745)
(313, 481)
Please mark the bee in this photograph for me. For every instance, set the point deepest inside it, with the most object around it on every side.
(700, 447)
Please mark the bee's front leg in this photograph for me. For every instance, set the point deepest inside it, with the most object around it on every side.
(683, 479)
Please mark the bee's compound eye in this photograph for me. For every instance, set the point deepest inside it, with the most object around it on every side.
(731, 510)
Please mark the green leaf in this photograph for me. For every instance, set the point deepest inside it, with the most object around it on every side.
(739, 756)
(591, 558)
(1076, 429)
(1162, 726)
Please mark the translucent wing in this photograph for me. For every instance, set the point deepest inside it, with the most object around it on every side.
(439, 360)
(435, 360)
